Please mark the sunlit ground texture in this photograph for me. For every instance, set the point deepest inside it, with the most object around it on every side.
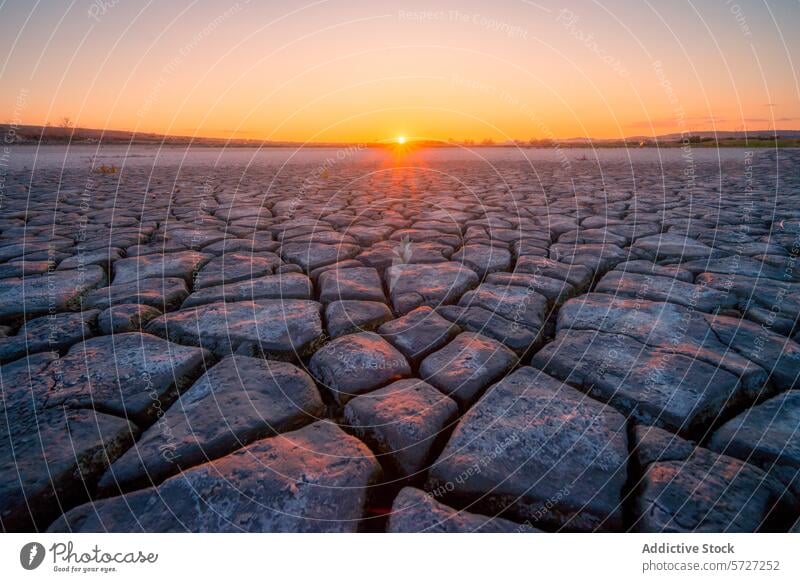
(400, 340)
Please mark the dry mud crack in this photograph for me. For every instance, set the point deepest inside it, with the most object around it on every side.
(457, 346)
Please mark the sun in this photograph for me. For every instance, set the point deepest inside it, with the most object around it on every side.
(400, 145)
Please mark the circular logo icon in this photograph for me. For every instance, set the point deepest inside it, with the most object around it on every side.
(31, 555)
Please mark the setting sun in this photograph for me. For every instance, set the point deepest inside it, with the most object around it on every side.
(401, 139)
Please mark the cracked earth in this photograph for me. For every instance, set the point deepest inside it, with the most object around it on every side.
(352, 342)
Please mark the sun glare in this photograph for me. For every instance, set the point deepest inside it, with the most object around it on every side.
(401, 139)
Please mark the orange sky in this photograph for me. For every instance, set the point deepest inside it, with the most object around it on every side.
(365, 71)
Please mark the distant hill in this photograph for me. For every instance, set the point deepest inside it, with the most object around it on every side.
(781, 133)
(756, 138)
(37, 134)
(33, 134)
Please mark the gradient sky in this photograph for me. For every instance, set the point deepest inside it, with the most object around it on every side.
(342, 70)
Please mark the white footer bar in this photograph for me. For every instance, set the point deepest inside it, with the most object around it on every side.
(423, 557)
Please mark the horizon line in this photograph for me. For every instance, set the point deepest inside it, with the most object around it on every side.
(16, 129)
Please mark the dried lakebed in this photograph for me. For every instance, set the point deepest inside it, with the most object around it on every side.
(360, 343)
